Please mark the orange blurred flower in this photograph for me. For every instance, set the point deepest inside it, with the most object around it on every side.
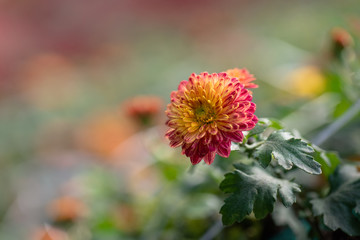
(243, 76)
(144, 109)
(103, 133)
(341, 37)
(49, 233)
(340, 40)
(67, 209)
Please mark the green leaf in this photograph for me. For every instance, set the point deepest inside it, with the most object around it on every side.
(263, 124)
(341, 208)
(288, 151)
(356, 210)
(253, 190)
(328, 160)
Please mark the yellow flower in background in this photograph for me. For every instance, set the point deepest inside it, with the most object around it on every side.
(307, 81)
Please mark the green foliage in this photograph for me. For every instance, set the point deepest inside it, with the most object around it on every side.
(169, 171)
(253, 190)
(263, 124)
(340, 209)
(356, 210)
(288, 151)
(328, 160)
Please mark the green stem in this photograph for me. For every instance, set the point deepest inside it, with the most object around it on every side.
(255, 145)
(339, 123)
(213, 231)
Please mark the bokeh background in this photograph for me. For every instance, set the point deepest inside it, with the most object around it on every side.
(84, 86)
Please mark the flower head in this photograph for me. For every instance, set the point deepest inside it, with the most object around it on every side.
(243, 76)
(341, 37)
(206, 113)
(341, 40)
(67, 209)
(144, 109)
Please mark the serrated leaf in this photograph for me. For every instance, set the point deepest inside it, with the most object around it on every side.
(253, 190)
(340, 209)
(288, 151)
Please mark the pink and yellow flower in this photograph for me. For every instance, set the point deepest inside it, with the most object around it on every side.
(206, 113)
(243, 76)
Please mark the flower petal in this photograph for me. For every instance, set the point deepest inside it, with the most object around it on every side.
(224, 149)
(209, 158)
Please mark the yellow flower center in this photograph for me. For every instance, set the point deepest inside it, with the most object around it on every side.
(204, 113)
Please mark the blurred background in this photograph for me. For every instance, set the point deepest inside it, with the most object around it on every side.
(84, 86)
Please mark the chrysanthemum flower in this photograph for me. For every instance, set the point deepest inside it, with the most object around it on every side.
(206, 113)
(243, 76)
(143, 108)
(341, 40)
(341, 37)
(67, 209)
